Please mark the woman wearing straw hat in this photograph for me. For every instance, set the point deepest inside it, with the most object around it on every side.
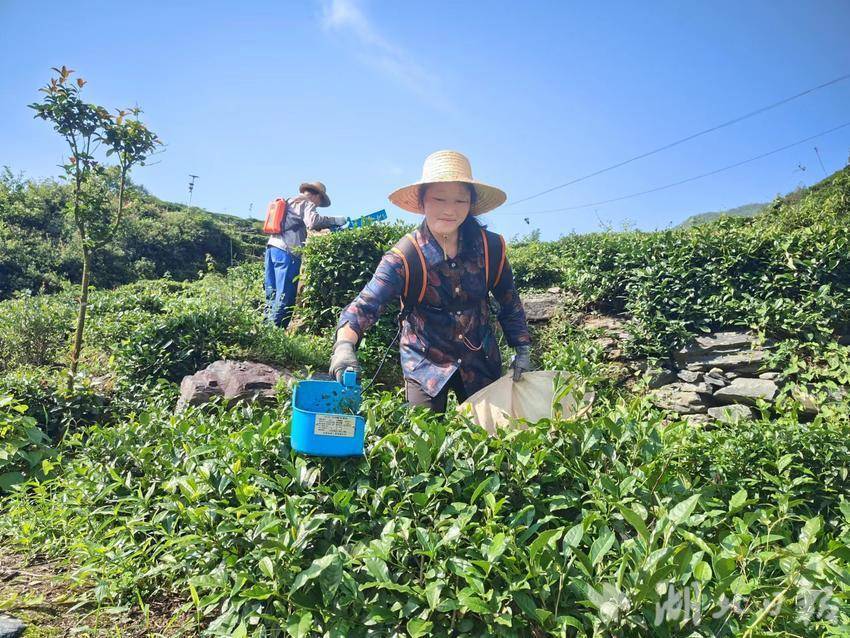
(446, 339)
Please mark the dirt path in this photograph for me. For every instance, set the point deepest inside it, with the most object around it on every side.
(36, 593)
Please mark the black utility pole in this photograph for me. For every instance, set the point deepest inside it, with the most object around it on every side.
(192, 186)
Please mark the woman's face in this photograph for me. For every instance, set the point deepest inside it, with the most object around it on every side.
(446, 206)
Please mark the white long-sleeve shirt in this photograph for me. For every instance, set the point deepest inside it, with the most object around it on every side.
(301, 214)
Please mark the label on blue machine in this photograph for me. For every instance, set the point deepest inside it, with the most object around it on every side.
(335, 425)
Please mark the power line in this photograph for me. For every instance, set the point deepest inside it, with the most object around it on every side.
(684, 139)
(680, 182)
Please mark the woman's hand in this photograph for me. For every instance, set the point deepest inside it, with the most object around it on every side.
(344, 356)
(521, 361)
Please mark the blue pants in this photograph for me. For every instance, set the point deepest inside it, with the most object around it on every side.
(282, 267)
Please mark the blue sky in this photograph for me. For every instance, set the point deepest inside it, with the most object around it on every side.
(257, 96)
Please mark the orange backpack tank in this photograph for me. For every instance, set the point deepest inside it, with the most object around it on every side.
(275, 217)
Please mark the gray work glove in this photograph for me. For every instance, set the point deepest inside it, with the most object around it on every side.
(521, 361)
(340, 221)
(343, 358)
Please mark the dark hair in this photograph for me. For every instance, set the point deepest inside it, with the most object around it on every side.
(473, 195)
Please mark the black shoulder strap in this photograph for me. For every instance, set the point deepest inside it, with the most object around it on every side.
(494, 258)
(415, 271)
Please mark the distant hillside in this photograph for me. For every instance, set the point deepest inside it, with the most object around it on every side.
(39, 248)
(747, 210)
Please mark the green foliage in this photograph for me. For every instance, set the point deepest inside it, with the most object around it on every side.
(159, 329)
(582, 526)
(536, 264)
(55, 408)
(189, 335)
(800, 460)
(38, 248)
(24, 448)
(785, 273)
(747, 210)
(34, 330)
(166, 329)
(335, 267)
(784, 284)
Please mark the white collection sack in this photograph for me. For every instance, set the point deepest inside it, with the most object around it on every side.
(531, 399)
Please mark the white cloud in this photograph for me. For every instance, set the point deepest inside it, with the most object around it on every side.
(346, 16)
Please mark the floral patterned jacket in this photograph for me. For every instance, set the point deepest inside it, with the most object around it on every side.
(450, 329)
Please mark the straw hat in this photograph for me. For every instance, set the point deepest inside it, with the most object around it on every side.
(319, 188)
(448, 166)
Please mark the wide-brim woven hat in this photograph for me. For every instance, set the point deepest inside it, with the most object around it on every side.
(318, 187)
(448, 166)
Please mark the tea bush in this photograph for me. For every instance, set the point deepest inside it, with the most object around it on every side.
(179, 329)
(621, 523)
(784, 284)
(55, 409)
(24, 449)
(587, 527)
(536, 264)
(336, 266)
(812, 459)
(785, 273)
(34, 330)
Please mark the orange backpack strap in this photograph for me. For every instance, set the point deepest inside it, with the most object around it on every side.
(415, 271)
(494, 258)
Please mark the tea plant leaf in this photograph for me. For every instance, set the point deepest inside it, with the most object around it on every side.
(601, 546)
(737, 501)
(496, 547)
(702, 571)
(417, 628)
(682, 511)
(432, 593)
(267, 566)
(378, 569)
(634, 519)
(313, 571)
(299, 625)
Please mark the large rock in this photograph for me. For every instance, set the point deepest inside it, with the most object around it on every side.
(680, 397)
(657, 377)
(689, 376)
(727, 351)
(714, 380)
(743, 362)
(232, 380)
(542, 306)
(612, 326)
(11, 627)
(730, 413)
(719, 342)
(746, 390)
